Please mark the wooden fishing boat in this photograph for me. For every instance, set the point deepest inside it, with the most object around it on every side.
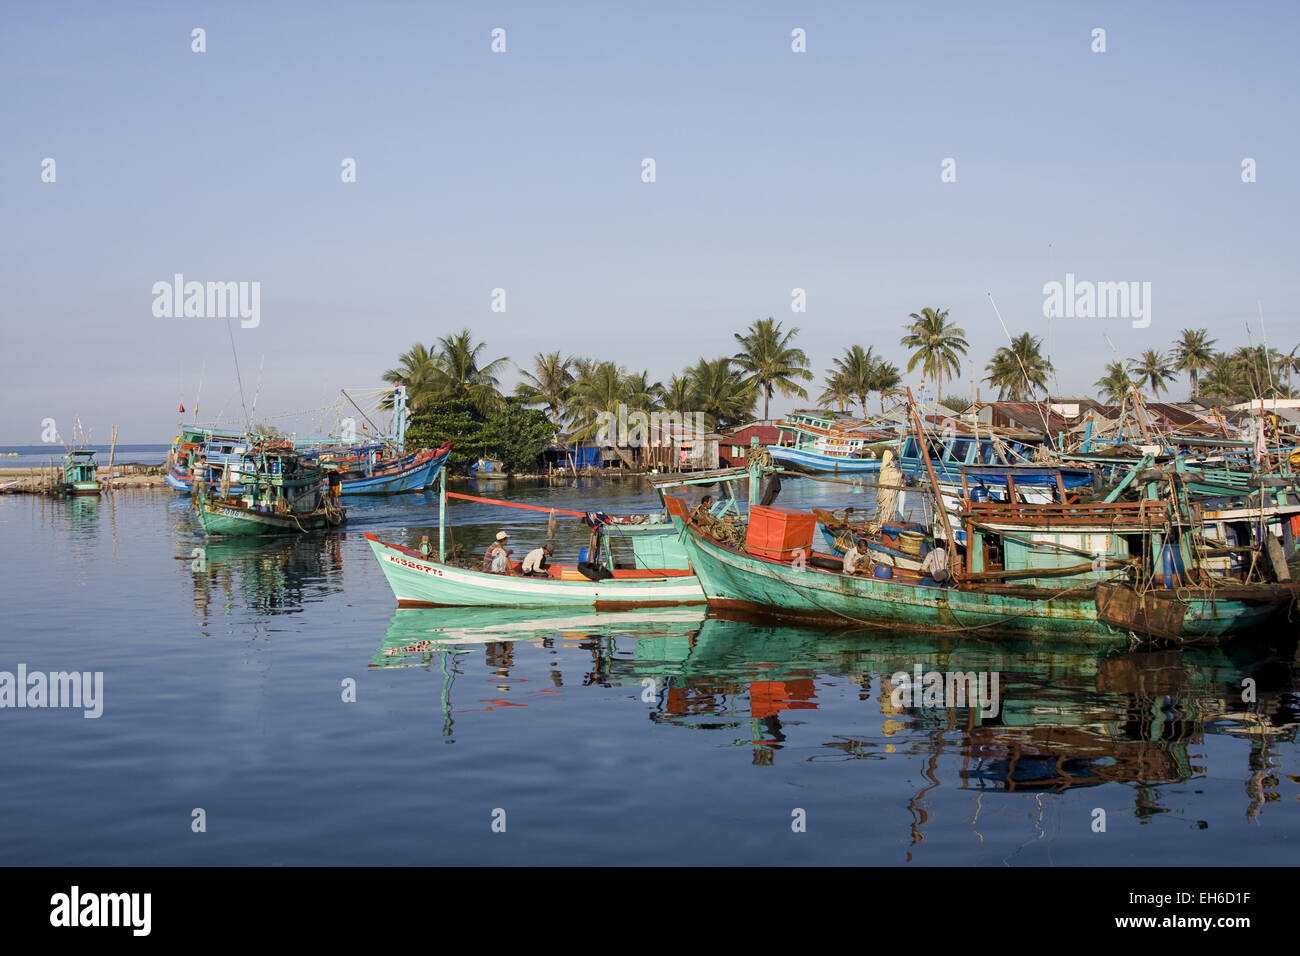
(488, 469)
(1057, 569)
(821, 444)
(279, 494)
(421, 581)
(81, 473)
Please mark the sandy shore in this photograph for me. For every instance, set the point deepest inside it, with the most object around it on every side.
(28, 480)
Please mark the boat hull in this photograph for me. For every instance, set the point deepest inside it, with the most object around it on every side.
(223, 519)
(417, 582)
(744, 582)
(813, 462)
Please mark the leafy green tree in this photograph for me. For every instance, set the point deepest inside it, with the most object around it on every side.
(517, 435)
(837, 394)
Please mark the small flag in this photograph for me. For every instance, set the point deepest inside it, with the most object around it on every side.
(182, 410)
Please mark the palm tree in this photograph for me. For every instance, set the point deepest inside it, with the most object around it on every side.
(599, 389)
(1192, 354)
(885, 379)
(936, 345)
(772, 363)
(548, 384)
(722, 393)
(415, 369)
(459, 374)
(1222, 379)
(677, 395)
(639, 393)
(838, 393)
(856, 371)
(1017, 372)
(1152, 369)
(1115, 384)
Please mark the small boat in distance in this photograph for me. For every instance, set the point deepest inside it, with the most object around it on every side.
(280, 494)
(81, 473)
(488, 468)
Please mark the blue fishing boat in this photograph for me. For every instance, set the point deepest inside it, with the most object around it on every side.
(821, 443)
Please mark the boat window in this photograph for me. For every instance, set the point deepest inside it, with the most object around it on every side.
(909, 449)
(961, 450)
(988, 454)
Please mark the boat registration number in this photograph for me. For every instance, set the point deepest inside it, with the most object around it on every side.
(413, 566)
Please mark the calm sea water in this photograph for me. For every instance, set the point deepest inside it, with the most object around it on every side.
(658, 737)
(34, 456)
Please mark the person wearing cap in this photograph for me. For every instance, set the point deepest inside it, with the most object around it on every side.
(497, 558)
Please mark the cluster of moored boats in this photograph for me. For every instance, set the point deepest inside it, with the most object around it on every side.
(1151, 542)
(1176, 538)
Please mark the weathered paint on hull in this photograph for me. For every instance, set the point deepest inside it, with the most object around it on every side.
(420, 583)
(218, 519)
(743, 582)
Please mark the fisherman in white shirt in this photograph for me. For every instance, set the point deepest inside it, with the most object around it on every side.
(856, 557)
(536, 560)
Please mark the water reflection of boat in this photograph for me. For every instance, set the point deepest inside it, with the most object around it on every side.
(266, 575)
(1067, 716)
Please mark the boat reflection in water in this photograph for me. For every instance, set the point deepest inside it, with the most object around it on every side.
(1063, 716)
(262, 575)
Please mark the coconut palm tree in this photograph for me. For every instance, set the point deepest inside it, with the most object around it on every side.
(771, 362)
(723, 393)
(1019, 370)
(599, 390)
(886, 380)
(1192, 354)
(838, 393)
(677, 395)
(639, 393)
(460, 373)
(936, 345)
(1152, 369)
(1115, 384)
(415, 369)
(548, 384)
(857, 371)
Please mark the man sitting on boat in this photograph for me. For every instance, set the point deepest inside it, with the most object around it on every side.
(497, 558)
(536, 561)
(857, 558)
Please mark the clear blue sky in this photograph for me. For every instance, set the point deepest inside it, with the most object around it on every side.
(522, 171)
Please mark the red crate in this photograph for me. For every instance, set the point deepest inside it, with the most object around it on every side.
(776, 532)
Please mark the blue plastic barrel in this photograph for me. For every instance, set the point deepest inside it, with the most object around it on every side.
(979, 493)
(884, 571)
(582, 556)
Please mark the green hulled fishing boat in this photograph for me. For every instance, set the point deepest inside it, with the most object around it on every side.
(279, 494)
(81, 473)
